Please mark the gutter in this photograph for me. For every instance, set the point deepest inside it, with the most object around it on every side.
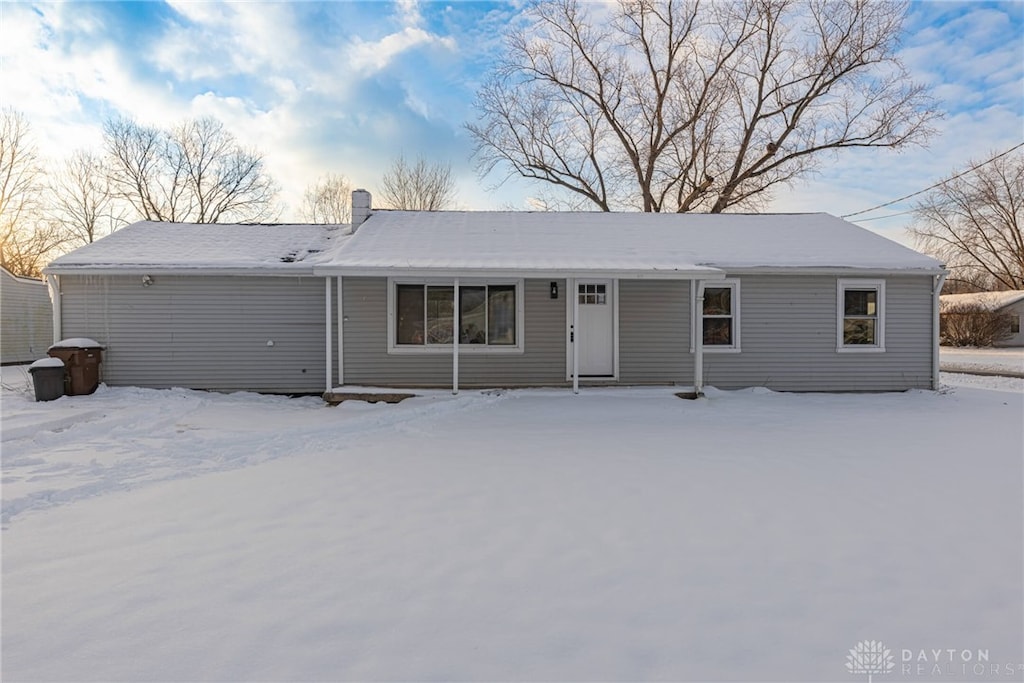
(305, 271)
(840, 271)
(699, 272)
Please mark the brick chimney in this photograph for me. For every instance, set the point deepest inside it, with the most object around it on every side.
(361, 202)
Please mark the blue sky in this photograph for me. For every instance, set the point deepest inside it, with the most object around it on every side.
(347, 86)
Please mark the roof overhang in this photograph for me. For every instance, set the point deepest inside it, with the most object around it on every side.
(694, 273)
(136, 269)
(832, 271)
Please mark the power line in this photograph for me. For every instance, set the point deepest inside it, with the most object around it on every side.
(931, 187)
(880, 218)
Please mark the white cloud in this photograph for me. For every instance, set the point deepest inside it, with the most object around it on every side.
(228, 39)
(54, 81)
(370, 57)
(409, 12)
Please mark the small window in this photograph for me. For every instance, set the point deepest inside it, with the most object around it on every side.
(721, 315)
(1015, 325)
(425, 315)
(861, 323)
(596, 295)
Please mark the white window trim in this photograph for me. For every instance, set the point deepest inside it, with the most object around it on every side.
(734, 285)
(879, 286)
(464, 349)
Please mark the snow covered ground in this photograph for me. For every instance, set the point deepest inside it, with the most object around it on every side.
(990, 360)
(622, 534)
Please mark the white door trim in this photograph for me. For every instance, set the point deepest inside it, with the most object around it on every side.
(571, 285)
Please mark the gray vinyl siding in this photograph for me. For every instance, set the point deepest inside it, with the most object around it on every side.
(26, 326)
(654, 332)
(788, 339)
(367, 361)
(212, 333)
(1017, 310)
(203, 332)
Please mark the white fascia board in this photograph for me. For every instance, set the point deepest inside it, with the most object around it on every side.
(178, 270)
(704, 273)
(840, 271)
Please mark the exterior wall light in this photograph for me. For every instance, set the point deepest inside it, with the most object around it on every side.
(146, 281)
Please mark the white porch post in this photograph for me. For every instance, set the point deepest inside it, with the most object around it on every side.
(53, 284)
(455, 338)
(573, 336)
(698, 339)
(327, 315)
(936, 291)
(341, 335)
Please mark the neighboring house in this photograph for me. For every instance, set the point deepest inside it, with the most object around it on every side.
(26, 329)
(1010, 302)
(803, 302)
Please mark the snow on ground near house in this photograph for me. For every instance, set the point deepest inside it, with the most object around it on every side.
(967, 359)
(619, 534)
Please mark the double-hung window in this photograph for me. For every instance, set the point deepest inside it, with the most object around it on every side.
(424, 316)
(861, 315)
(721, 315)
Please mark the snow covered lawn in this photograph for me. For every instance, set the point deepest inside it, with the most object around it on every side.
(622, 534)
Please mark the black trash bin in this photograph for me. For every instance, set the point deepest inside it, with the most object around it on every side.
(82, 359)
(47, 378)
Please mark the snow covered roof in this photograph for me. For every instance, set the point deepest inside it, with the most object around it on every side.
(991, 301)
(625, 244)
(537, 243)
(209, 248)
(19, 278)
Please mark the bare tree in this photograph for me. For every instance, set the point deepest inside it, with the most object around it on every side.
(328, 200)
(81, 201)
(418, 187)
(973, 222)
(26, 238)
(196, 172)
(678, 105)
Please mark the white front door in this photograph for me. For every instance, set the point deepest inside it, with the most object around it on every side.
(595, 328)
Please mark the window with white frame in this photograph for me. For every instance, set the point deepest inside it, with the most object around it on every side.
(720, 312)
(861, 319)
(424, 315)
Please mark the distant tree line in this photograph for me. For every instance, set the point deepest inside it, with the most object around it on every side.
(974, 223)
(194, 172)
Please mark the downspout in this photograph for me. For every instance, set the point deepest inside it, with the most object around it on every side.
(53, 286)
(698, 339)
(329, 336)
(455, 337)
(938, 281)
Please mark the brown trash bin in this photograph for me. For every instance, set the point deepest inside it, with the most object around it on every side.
(82, 359)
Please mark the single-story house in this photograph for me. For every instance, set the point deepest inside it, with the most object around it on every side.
(802, 302)
(26, 328)
(1010, 302)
